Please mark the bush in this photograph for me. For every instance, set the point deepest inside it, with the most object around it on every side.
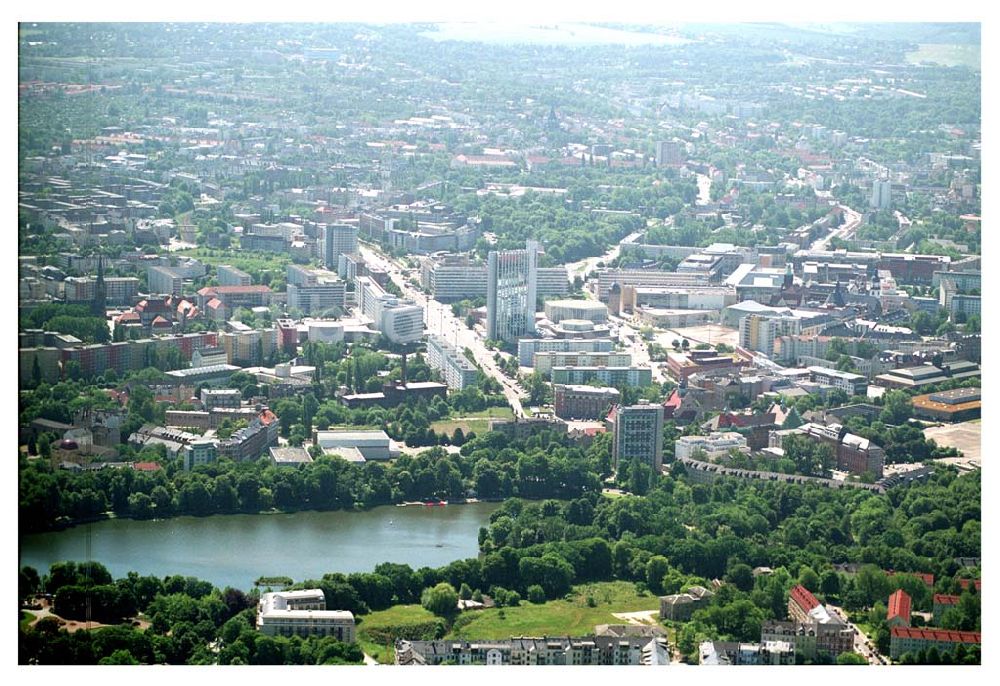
(536, 594)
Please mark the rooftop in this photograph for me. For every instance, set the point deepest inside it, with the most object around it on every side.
(943, 635)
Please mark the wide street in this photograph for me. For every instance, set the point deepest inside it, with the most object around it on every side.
(439, 319)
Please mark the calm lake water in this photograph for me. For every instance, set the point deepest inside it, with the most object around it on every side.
(234, 550)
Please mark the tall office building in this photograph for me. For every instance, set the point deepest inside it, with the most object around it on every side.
(639, 434)
(339, 239)
(511, 278)
(881, 194)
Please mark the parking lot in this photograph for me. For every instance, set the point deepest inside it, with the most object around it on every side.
(966, 436)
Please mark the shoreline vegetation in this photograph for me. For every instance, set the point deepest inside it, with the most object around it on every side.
(108, 516)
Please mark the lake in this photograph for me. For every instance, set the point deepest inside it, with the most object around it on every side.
(234, 550)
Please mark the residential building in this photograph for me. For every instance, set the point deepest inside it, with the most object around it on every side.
(199, 452)
(455, 368)
(638, 435)
(716, 444)
(164, 281)
(852, 384)
(401, 321)
(904, 640)
(544, 362)
(173, 440)
(338, 239)
(899, 609)
(733, 653)
(220, 397)
(552, 281)
(758, 332)
(584, 402)
(942, 603)
(511, 290)
(669, 153)
(881, 194)
(854, 454)
(231, 276)
(826, 635)
(233, 297)
(206, 357)
(587, 650)
(453, 277)
(247, 444)
(303, 613)
(527, 347)
(315, 291)
(250, 347)
(607, 376)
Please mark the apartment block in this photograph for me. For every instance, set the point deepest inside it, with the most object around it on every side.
(584, 402)
(455, 368)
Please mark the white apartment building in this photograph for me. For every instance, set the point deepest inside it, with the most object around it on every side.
(338, 239)
(545, 361)
(716, 444)
(527, 347)
(852, 384)
(315, 291)
(552, 281)
(758, 332)
(453, 277)
(456, 369)
(164, 281)
(303, 613)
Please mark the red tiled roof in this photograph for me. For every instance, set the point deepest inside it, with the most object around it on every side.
(937, 635)
(214, 304)
(964, 583)
(942, 599)
(899, 605)
(803, 598)
(129, 317)
(160, 321)
(266, 417)
(146, 467)
(674, 400)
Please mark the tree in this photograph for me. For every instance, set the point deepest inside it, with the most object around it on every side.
(536, 594)
(851, 659)
(656, 569)
(442, 600)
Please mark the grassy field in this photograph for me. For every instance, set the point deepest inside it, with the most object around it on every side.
(560, 617)
(26, 619)
(472, 421)
(247, 261)
(400, 615)
(947, 54)
(448, 426)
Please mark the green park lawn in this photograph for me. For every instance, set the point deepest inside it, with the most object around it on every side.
(472, 421)
(572, 617)
(397, 616)
(26, 619)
